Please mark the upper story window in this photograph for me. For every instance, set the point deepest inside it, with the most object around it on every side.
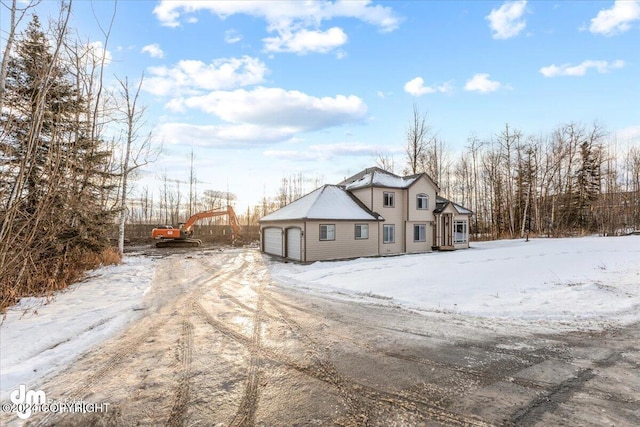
(327, 232)
(388, 199)
(422, 201)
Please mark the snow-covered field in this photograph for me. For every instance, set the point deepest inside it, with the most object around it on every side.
(593, 279)
(39, 337)
(568, 280)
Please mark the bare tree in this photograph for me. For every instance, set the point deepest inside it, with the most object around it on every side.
(418, 135)
(138, 150)
(386, 162)
(475, 147)
(192, 185)
(436, 163)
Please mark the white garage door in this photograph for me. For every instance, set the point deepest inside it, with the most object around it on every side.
(293, 244)
(273, 241)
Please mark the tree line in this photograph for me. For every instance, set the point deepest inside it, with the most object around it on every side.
(67, 146)
(175, 200)
(574, 180)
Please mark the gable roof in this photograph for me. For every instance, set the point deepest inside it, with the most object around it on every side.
(376, 177)
(362, 173)
(380, 178)
(442, 203)
(326, 202)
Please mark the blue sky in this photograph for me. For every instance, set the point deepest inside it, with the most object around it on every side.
(262, 90)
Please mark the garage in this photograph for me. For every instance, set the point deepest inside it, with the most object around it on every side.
(294, 240)
(272, 241)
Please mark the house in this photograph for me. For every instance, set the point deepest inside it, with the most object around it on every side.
(371, 213)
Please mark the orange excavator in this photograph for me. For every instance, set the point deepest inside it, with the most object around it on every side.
(169, 237)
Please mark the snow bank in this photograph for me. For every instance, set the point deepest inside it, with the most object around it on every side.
(39, 337)
(548, 279)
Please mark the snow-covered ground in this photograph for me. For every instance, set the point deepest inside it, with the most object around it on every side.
(593, 279)
(39, 337)
(590, 279)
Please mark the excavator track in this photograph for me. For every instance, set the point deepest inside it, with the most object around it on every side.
(182, 243)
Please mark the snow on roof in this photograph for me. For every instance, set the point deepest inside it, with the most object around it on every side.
(327, 202)
(380, 178)
(462, 210)
(441, 204)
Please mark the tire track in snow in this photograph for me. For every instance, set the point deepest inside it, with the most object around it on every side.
(137, 335)
(359, 397)
(245, 416)
(176, 418)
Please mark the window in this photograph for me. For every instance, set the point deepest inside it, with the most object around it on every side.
(389, 233)
(362, 231)
(460, 232)
(420, 233)
(422, 201)
(388, 199)
(327, 232)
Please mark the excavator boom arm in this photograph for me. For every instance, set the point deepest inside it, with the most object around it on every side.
(202, 215)
(233, 219)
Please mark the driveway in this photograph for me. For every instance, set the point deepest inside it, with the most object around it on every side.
(221, 344)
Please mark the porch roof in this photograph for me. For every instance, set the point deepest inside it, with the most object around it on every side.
(442, 203)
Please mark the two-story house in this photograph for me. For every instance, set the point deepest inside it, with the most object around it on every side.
(371, 213)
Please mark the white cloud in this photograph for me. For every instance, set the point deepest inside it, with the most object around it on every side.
(280, 13)
(580, 69)
(297, 24)
(506, 21)
(329, 151)
(232, 36)
(93, 53)
(191, 77)
(262, 115)
(294, 155)
(617, 19)
(305, 41)
(221, 136)
(629, 134)
(416, 87)
(277, 107)
(482, 83)
(153, 50)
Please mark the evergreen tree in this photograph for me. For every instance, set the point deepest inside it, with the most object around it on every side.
(588, 182)
(54, 172)
(39, 103)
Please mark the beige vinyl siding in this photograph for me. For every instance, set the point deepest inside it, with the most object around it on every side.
(421, 186)
(420, 216)
(364, 195)
(417, 247)
(345, 245)
(392, 215)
